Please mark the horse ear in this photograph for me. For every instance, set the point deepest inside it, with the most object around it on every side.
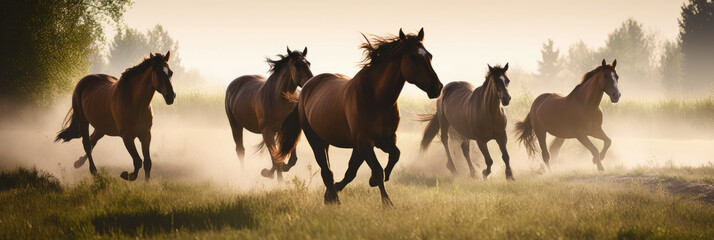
(304, 52)
(401, 35)
(489, 67)
(603, 62)
(505, 68)
(151, 54)
(614, 63)
(168, 55)
(421, 35)
(289, 50)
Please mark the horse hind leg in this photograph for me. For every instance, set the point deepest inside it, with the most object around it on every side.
(237, 131)
(445, 140)
(465, 148)
(541, 136)
(555, 146)
(93, 139)
(320, 149)
(86, 143)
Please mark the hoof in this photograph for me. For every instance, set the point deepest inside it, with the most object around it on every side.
(339, 186)
(93, 171)
(485, 173)
(509, 175)
(373, 181)
(600, 168)
(267, 173)
(510, 178)
(126, 176)
(473, 175)
(331, 198)
(80, 162)
(452, 169)
(387, 202)
(286, 167)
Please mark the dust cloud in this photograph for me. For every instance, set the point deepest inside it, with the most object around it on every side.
(195, 144)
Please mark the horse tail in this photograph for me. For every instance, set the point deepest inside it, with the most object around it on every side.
(431, 130)
(289, 135)
(71, 120)
(526, 136)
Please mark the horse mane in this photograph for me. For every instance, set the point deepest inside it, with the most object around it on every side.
(278, 64)
(132, 72)
(587, 76)
(383, 48)
(488, 74)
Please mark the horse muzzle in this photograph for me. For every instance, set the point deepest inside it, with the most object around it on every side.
(169, 98)
(615, 97)
(506, 100)
(435, 92)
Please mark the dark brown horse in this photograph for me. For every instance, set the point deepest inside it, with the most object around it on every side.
(361, 113)
(473, 114)
(260, 105)
(577, 115)
(119, 108)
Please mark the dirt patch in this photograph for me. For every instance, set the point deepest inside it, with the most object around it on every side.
(700, 191)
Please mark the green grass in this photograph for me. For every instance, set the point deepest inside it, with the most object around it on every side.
(533, 207)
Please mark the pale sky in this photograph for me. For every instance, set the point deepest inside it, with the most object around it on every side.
(226, 39)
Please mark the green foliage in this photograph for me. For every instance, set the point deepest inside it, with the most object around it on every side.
(21, 178)
(46, 44)
(633, 49)
(696, 35)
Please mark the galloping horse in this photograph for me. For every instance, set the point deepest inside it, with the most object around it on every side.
(577, 115)
(119, 108)
(260, 105)
(360, 113)
(474, 114)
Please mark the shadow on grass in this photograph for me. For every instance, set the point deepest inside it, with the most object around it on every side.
(233, 215)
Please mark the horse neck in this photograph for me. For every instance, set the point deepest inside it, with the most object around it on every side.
(139, 90)
(381, 84)
(486, 96)
(279, 85)
(588, 94)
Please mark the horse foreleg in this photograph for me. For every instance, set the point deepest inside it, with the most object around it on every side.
(394, 154)
(600, 134)
(487, 157)
(93, 139)
(377, 178)
(504, 154)
(145, 143)
(354, 164)
(465, 148)
(269, 138)
(596, 155)
(131, 147)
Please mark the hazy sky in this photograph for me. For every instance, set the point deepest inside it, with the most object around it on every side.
(227, 39)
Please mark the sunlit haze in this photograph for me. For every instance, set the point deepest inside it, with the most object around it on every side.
(226, 39)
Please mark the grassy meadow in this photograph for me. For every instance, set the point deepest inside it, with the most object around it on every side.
(552, 206)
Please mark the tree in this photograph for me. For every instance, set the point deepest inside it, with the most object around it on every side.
(130, 46)
(633, 49)
(671, 66)
(696, 36)
(46, 45)
(549, 65)
(581, 59)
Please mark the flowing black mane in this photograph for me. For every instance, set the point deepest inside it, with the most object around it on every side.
(132, 72)
(278, 64)
(384, 48)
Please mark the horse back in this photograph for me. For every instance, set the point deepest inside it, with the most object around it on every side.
(243, 103)
(563, 117)
(323, 107)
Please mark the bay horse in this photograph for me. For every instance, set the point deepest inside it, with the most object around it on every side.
(473, 114)
(260, 105)
(577, 115)
(119, 107)
(360, 113)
